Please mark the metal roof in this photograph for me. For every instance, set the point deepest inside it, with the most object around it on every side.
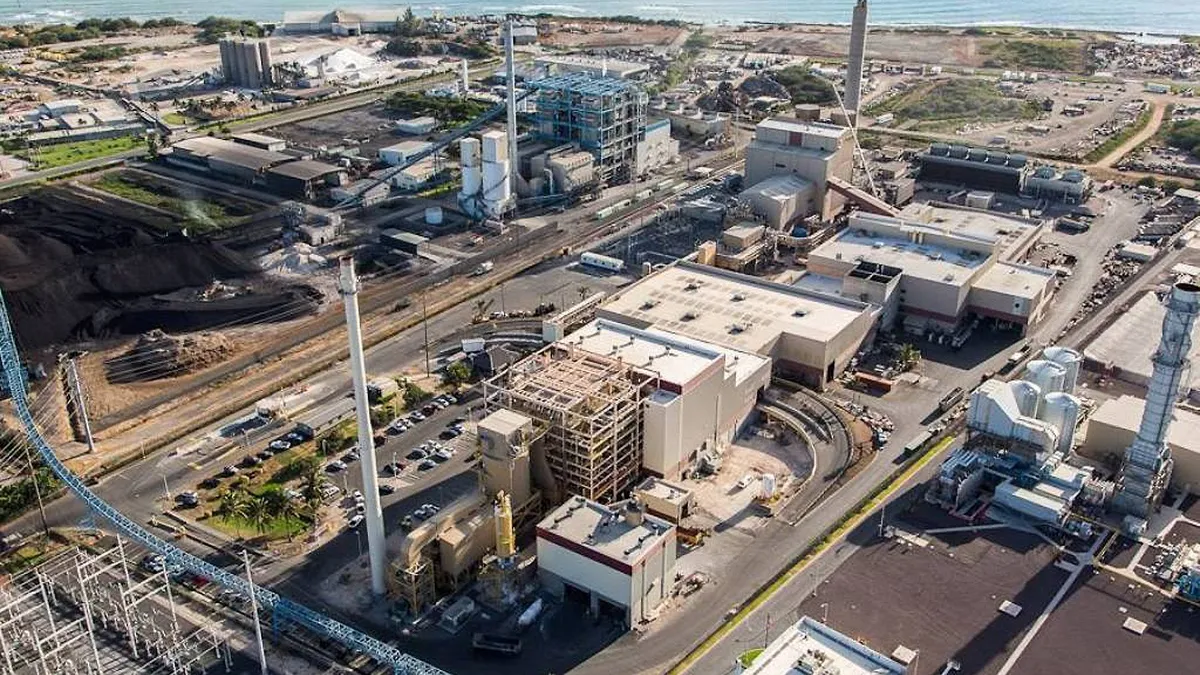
(304, 169)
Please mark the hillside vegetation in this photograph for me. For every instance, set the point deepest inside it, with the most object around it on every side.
(1185, 135)
(1036, 54)
(943, 102)
(804, 86)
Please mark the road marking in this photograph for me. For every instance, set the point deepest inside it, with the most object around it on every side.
(856, 519)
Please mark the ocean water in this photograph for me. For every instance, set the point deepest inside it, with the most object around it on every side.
(1161, 16)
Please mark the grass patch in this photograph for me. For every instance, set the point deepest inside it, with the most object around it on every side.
(175, 118)
(449, 111)
(747, 658)
(1184, 135)
(805, 87)
(200, 215)
(274, 529)
(950, 103)
(1041, 54)
(1113, 142)
(53, 156)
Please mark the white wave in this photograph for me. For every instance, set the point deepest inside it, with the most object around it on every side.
(658, 8)
(566, 9)
(42, 16)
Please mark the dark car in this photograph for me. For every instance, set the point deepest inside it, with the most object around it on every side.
(427, 465)
(210, 483)
(417, 454)
(250, 460)
(386, 489)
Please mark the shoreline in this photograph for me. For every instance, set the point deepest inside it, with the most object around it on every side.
(68, 17)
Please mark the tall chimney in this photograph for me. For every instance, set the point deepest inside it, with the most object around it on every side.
(1147, 467)
(854, 67)
(511, 68)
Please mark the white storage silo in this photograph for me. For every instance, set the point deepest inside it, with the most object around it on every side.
(472, 175)
(768, 486)
(1062, 410)
(1028, 395)
(1070, 360)
(496, 187)
(1047, 375)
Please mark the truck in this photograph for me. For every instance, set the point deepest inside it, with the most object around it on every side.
(473, 345)
(952, 399)
(496, 643)
(483, 268)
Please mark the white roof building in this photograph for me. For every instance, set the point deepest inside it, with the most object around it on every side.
(810, 647)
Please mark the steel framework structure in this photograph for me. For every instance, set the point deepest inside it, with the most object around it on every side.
(605, 116)
(284, 611)
(82, 612)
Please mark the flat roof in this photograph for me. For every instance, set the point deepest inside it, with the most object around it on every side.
(1131, 340)
(407, 147)
(504, 421)
(923, 261)
(809, 646)
(667, 491)
(673, 360)
(604, 530)
(1009, 230)
(252, 137)
(735, 310)
(401, 235)
(779, 187)
(1020, 281)
(615, 66)
(1125, 412)
(811, 128)
(305, 169)
(232, 153)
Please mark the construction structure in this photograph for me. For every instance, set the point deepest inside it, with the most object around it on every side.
(246, 62)
(854, 66)
(808, 154)
(604, 116)
(1147, 468)
(590, 409)
(348, 287)
(86, 612)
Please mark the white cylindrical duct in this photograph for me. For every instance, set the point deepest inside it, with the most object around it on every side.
(376, 542)
(1047, 375)
(496, 188)
(1028, 396)
(1063, 410)
(1070, 360)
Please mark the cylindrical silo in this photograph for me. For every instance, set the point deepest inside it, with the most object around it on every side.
(1047, 375)
(472, 177)
(1062, 410)
(495, 186)
(1067, 358)
(1028, 396)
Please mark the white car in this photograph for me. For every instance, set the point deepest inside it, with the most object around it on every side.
(746, 480)
(355, 521)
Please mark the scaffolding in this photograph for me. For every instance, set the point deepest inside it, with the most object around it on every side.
(85, 612)
(590, 406)
(414, 585)
(603, 115)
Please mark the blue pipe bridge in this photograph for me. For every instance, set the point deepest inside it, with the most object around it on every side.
(284, 612)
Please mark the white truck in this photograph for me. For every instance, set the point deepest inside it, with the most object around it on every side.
(483, 268)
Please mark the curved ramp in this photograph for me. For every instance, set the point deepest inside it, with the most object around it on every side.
(283, 610)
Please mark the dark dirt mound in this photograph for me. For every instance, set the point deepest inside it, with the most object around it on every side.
(69, 270)
(156, 355)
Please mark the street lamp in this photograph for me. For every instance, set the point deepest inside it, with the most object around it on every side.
(825, 613)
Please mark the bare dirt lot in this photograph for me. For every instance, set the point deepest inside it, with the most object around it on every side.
(576, 34)
(833, 42)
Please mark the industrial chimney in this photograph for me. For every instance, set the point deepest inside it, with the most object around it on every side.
(1147, 467)
(854, 67)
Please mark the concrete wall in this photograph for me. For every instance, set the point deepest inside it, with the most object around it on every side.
(1107, 443)
(557, 565)
(662, 444)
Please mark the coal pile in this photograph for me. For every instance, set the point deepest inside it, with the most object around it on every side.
(73, 267)
(157, 355)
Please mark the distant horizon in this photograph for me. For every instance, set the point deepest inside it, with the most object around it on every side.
(1077, 15)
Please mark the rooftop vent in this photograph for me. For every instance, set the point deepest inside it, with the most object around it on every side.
(738, 297)
(689, 316)
(800, 312)
(649, 304)
(691, 286)
(736, 328)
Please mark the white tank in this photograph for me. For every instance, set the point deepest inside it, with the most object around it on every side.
(1062, 410)
(1028, 396)
(496, 187)
(1070, 360)
(472, 176)
(1047, 375)
(433, 215)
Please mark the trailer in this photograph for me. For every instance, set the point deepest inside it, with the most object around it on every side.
(604, 262)
(496, 643)
(952, 399)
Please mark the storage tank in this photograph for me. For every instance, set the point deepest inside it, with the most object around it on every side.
(1070, 360)
(472, 177)
(1062, 410)
(1028, 396)
(433, 215)
(1047, 375)
(496, 188)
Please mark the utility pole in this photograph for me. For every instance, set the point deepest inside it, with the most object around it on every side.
(37, 491)
(425, 324)
(262, 653)
(376, 543)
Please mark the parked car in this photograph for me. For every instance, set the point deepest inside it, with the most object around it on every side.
(350, 457)
(210, 483)
(230, 470)
(279, 444)
(427, 465)
(187, 499)
(443, 454)
(417, 415)
(386, 489)
(335, 466)
(406, 522)
(251, 460)
(417, 454)
(355, 521)
(294, 438)
(264, 455)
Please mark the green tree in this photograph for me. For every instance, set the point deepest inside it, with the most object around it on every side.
(1148, 181)
(456, 373)
(405, 47)
(414, 395)
(310, 492)
(909, 356)
(233, 505)
(409, 25)
(258, 512)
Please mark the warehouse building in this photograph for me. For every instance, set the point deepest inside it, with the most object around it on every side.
(304, 179)
(1113, 426)
(811, 151)
(617, 559)
(1125, 347)
(973, 168)
(260, 141)
(810, 647)
(342, 21)
(402, 152)
(808, 335)
(698, 394)
(954, 263)
(591, 66)
(243, 163)
(1046, 182)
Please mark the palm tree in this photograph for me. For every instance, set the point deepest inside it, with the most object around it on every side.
(909, 356)
(310, 492)
(233, 505)
(583, 292)
(258, 512)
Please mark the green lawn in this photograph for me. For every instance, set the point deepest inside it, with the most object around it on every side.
(747, 658)
(1043, 54)
(175, 118)
(53, 156)
(275, 529)
(201, 215)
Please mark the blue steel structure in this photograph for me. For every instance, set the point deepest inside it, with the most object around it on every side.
(283, 611)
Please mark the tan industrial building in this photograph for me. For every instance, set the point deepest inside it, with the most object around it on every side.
(812, 151)
(616, 558)
(949, 263)
(697, 394)
(808, 335)
(1113, 426)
